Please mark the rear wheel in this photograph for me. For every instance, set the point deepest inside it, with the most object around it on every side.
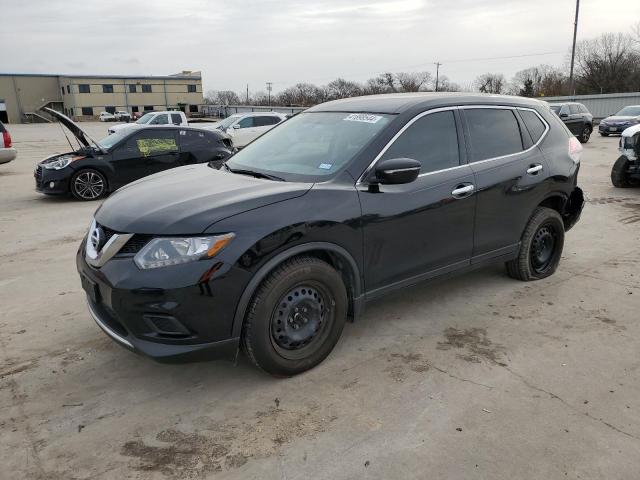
(585, 134)
(540, 247)
(88, 185)
(620, 173)
(296, 317)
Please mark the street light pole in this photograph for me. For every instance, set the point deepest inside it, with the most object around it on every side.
(573, 49)
(437, 64)
(269, 87)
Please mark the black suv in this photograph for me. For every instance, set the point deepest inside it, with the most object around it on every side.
(576, 117)
(96, 168)
(345, 202)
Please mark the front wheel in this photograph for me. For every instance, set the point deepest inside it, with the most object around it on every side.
(620, 173)
(295, 317)
(540, 247)
(88, 185)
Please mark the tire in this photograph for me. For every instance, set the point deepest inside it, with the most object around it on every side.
(604, 134)
(585, 134)
(619, 176)
(88, 184)
(540, 248)
(295, 317)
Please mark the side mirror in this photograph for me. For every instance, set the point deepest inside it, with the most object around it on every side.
(395, 171)
(236, 126)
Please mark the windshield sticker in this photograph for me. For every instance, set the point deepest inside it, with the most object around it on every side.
(363, 117)
(325, 166)
(149, 146)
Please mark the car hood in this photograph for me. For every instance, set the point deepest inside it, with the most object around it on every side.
(187, 200)
(82, 136)
(619, 118)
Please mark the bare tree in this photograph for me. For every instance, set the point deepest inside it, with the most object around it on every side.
(446, 85)
(222, 97)
(412, 81)
(301, 94)
(491, 83)
(542, 80)
(341, 88)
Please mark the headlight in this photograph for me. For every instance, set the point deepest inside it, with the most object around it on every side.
(60, 162)
(162, 252)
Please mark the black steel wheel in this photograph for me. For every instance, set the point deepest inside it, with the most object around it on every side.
(295, 317)
(88, 185)
(540, 246)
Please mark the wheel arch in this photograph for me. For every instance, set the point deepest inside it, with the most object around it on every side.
(338, 257)
(568, 206)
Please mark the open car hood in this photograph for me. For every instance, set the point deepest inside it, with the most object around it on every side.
(82, 136)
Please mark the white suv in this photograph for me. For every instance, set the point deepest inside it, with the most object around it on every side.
(7, 151)
(243, 128)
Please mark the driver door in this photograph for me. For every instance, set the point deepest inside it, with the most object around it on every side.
(244, 131)
(423, 228)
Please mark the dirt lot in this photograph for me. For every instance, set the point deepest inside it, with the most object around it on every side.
(479, 376)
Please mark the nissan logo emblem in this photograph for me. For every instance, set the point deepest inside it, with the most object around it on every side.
(97, 238)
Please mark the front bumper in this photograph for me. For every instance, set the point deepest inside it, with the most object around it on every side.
(181, 313)
(52, 182)
(613, 129)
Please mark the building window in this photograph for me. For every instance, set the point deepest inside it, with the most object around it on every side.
(68, 89)
(107, 88)
(146, 88)
(148, 108)
(193, 108)
(132, 88)
(62, 89)
(110, 109)
(134, 108)
(88, 111)
(191, 88)
(84, 88)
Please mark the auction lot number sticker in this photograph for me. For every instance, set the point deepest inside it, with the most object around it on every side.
(363, 117)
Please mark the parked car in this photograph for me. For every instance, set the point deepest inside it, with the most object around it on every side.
(97, 168)
(7, 151)
(619, 122)
(246, 127)
(335, 207)
(576, 117)
(106, 117)
(626, 169)
(122, 116)
(153, 118)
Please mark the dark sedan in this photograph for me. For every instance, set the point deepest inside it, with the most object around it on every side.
(99, 167)
(618, 123)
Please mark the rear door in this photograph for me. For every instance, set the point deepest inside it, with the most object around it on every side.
(146, 152)
(425, 227)
(510, 171)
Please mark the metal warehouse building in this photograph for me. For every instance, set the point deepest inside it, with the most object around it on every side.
(83, 97)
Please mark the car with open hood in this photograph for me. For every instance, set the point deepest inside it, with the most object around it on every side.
(619, 122)
(329, 210)
(93, 168)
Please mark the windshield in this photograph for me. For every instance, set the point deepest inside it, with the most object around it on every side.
(110, 140)
(629, 111)
(146, 118)
(226, 123)
(310, 146)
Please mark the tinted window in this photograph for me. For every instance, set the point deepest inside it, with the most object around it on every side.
(146, 88)
(265, 121)
(84, 88)
(176, 118)
(162, 119)
(87, 110)
(574, 109)
(191, 88)
(493, 132)
(246, 122)
(107, 88)
(153, 142)
(432, 140)
(535, 126)
(197, 140)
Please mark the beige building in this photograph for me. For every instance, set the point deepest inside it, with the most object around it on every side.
(83, 97)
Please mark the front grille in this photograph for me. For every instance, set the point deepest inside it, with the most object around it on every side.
(38, 174)
(133, 246)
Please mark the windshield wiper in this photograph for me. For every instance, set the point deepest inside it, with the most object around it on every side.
(253, 173)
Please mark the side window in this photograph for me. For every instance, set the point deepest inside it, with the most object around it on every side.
(493, 132)
(246, 122)
(573, 108)
(153, 142)
(264, 121)
(533, 123)
(160, 120)
(432, 140)
(194, 139)
(176, 119)
(565, 110)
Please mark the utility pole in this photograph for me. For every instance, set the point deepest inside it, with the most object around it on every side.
(573, 49)
(247, 94)
(269, 88)
(437, 64)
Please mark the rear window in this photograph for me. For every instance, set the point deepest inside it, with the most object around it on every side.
(533, 123)
(493, 132)
(176, 118)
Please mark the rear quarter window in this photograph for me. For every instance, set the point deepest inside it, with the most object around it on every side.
(493, 132)
(533, 123)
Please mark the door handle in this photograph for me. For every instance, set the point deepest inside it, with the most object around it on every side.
(462, 191)
(534, 169)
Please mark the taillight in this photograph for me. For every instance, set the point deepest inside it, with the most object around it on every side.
(575, 150)
(7, 139)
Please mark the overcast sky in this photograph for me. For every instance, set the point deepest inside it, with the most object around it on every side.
(235, 42)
